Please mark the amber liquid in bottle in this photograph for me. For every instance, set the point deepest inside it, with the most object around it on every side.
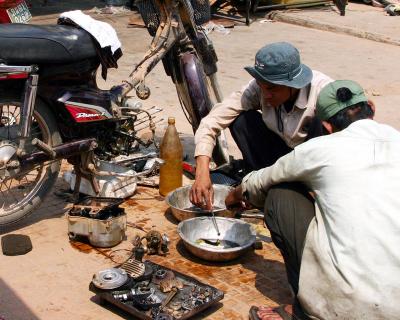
(171, 152)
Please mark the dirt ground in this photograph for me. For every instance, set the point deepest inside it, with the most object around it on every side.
(51, 282)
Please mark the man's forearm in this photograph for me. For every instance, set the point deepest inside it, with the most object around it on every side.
(202, 165)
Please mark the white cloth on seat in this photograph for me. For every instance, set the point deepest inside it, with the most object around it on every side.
(101, 31)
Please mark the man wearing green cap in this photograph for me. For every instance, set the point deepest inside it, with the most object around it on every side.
(347, 245)
(285, 91)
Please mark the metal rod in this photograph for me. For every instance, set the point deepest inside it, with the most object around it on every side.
(158, 121)
(216, 88)
(62, 151)
(44, 147)
(28, 105)
(6, 68)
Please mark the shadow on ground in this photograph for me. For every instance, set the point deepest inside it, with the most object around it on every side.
(11, 306)
(51, 207)
(270, 279)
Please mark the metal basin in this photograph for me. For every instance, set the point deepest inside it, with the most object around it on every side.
(183, 209)
(232, 231)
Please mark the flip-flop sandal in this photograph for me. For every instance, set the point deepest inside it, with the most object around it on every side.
(279, 310)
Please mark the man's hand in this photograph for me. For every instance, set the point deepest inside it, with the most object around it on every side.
(202, 192)
(235, 198)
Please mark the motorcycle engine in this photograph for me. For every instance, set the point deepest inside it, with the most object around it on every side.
(125, 137)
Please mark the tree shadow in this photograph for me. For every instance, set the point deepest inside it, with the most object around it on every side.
(270, 279)
(11, 306)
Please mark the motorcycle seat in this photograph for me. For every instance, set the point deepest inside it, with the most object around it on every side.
(44, 44)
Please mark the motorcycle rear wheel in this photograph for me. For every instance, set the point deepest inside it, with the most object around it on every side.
(21, 194)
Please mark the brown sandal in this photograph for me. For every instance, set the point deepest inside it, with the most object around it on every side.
(281, 311)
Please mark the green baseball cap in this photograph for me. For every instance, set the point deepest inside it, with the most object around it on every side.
(330, 100)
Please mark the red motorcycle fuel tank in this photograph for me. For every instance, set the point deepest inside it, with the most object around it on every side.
(87, 106)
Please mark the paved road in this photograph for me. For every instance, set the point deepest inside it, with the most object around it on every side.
(51, 281)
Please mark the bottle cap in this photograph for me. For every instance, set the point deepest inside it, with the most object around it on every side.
(171, 120)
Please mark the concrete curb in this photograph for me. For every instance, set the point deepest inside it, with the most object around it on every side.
(282, 17)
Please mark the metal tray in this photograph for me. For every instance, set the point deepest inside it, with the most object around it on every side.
(107, 296)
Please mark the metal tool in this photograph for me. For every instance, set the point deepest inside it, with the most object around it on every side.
(169, 297)
(215, 222)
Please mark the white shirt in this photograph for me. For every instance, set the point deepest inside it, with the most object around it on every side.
(295, 123)
(351, 260)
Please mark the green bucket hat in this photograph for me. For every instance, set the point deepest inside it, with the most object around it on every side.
(330, 102)
(279, 63)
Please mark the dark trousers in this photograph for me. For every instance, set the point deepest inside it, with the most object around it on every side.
(260, 146)
(289, 209)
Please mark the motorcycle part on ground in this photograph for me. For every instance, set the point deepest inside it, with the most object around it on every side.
(15, 244)
(117, 181)
(134, 268)
(156, 243)
(139, 253)
(97, 208)
(112, 278)
(101, 233)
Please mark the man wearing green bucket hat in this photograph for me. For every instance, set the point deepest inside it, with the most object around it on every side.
(285, 91)
(342, 256)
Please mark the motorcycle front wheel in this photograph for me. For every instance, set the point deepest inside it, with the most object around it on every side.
(195, 94)
(22, 193)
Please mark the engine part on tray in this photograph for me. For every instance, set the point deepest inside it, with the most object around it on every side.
(175, 306)
(178, 304)
(164, 316)
(151, 302)
(123, 295)
(134, 268)
(168, 298)
(133, 294)
(100, 220)
(167, 285)
(162, 274)
(112, 278)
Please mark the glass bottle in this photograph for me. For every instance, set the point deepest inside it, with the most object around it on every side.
(171, 152)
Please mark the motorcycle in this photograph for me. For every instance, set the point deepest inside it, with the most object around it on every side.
(51, 108)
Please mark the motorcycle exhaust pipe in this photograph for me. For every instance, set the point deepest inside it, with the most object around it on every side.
(62, 151)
